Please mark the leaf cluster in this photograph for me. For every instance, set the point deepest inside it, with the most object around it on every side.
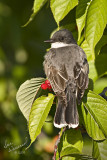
(87, 20)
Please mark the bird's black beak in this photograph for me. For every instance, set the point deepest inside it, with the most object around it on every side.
(49, 41)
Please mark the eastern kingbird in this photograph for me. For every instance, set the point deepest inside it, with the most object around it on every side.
(67, 69)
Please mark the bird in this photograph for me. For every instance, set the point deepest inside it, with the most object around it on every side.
(66, 67)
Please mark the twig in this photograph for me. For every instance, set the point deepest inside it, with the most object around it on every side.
(57, 142)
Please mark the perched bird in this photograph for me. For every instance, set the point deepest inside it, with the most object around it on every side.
(67, 69)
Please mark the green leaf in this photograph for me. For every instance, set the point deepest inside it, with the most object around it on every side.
(38, 4)
(26, 95)
(101, 64)
(38, 115)
(100, 84)
(77, 157)
(91, 125)
(100, 150)
(71, 143)
(87, 50)
(103, 50)
(60, 8)
(96, 22)
(81, 12)
(100, 44)
(97, 67)
(92, 71)
(97, 108)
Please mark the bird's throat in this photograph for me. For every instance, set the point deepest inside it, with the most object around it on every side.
(59, 45)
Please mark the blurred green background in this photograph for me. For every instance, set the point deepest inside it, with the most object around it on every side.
(21, 57)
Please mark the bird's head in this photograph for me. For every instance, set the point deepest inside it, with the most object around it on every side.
(61, 38)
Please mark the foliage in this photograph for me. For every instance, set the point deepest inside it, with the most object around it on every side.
(61, 8)
(99, 149)
(69, 144)
(26, 94)
(87, 20)
(38, 115)
(91, 20)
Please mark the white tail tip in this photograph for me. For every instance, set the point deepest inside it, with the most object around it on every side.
(60, 125)
(64, 125)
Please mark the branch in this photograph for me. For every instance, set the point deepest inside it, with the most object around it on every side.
(57, 142)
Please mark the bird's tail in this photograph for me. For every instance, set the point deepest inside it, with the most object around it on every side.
(66, 112)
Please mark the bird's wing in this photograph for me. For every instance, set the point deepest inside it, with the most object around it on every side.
(81, 77)
(56, 77)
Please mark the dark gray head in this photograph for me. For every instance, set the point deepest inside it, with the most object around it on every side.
(62, 36)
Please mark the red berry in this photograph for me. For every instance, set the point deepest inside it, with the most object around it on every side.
(48, 84)
(44, 86)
